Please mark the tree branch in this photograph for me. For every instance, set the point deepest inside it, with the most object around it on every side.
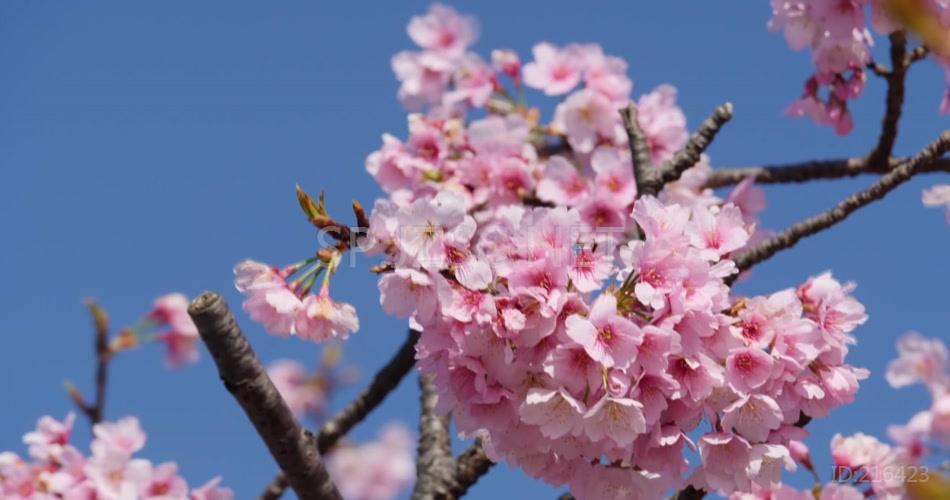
(812, 225)
(384, 382)
(471, 465)
(435, 467)
(639, 152)
(895, 98)
(292, 447)
(697, 144)
(94, 411)
(815, 170)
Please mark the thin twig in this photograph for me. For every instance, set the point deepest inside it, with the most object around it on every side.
(878, 69)
(435, 467)
(95, 410)
(385, 381)
(471, 465)
(815, 170)
(917, 54)
(812, 225)
(643, 171)
(292, 447)
(894, 102)
(102, 361)
(697, 144)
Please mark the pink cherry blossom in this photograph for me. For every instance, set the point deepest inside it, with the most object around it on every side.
(556, 413)
(443, 30)
(663, 122)
(321, 318)
(619, 419)
(407, 291)
(269, 299)
(721, 233)
(181, 340)
(939, 195)
(562, 183)
(50, 436)
(507, 62)
(720, 452)
(747, 369)
(302, 393)
(753, 417)
(123, 437)
(211, 491)
(614, 175)
(575, 351)
(375, 470)
(553, 70)
(588, 118)
(59, 470)
(921, 360)
(607, 337)
(425, 78)
(767, 462)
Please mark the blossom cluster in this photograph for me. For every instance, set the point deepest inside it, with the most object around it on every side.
(55, 469)
(307, 392)
(582, 332)
(870, 467)
(287, 307)
(925, 361)
(838, 34)
(181, 336)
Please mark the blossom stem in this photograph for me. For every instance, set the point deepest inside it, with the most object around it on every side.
(291, 446)
(812, 225)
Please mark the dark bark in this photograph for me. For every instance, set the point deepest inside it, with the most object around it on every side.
(293, 447)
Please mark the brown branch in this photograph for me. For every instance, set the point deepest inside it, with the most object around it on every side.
(276, 488)
(292, 447)
(815, 170)
(697, 144)
(470, 466)
(385, 381)
(94, 411)
(894, 100)
(435, 467)
(812, 225)
(643, 172)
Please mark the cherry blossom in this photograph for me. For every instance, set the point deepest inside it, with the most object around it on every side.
(59, 470)
(375, 470)
(839, 35)
(938, 196)
(181, 339)
(302, 392)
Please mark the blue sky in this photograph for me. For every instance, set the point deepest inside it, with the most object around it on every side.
(145, 147)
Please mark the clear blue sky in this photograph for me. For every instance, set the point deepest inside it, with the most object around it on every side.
(145, 147)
